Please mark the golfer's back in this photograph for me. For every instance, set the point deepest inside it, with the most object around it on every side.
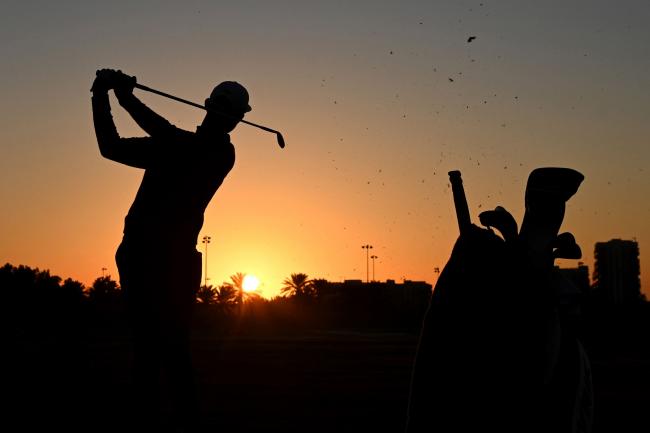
(183, 174)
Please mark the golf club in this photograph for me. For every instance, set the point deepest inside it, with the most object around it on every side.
(194, 104)
(460, 202)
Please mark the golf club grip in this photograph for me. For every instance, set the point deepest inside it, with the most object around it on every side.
(460, 201)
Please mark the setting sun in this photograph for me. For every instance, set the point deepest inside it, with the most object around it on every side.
(250, 284)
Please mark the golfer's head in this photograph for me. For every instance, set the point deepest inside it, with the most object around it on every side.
(227, 105)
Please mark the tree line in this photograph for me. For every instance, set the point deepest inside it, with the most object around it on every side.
(35, 302)
(38, 298)
(23, 285)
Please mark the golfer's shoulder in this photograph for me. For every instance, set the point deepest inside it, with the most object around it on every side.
(227, 153)
(219, 150)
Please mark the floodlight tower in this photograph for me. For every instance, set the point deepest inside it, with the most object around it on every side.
(206, 241)
(367, 248)
(373, 257)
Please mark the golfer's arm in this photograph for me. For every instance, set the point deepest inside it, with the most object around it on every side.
(150, 121)
(134, 152)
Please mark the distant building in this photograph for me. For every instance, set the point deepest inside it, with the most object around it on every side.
(352, 282)
(406, 295)
(578, 276)
(388, 305)
(572, 286)
(616, 272)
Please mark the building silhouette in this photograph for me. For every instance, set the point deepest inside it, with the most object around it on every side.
(407, 294)
(375, 304)
(572, 287)
(578, 276)
(617, 272)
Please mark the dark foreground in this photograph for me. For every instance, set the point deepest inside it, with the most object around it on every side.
(313, 382)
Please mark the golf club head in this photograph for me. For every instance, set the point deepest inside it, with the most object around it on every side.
(502, 220)
(565, 247)
(280, 140)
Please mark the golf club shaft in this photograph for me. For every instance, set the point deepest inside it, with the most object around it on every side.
(167, 95)
(194, 104)
(460, 201)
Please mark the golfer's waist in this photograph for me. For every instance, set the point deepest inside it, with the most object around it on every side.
(151, 234)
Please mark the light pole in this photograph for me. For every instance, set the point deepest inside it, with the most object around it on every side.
(373, 257)
(206, 241)
(367, 248)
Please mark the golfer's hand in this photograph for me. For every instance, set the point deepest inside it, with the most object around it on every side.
(103, 80)
(123, 84)
(108, 79)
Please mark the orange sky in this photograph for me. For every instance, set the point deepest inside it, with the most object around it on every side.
(371, 118)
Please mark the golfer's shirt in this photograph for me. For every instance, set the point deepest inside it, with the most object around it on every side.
(183, 171)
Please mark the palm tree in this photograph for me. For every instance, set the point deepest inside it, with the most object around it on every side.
(252, 297)
(298, 285)
(237, 280)
(207, 294)
(226, 294)
(321, 288)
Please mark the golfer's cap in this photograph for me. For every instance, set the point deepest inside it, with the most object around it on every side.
(234, 93)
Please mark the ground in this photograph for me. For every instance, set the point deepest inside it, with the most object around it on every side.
(341, 381)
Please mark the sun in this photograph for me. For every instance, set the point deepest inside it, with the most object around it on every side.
(251, 282)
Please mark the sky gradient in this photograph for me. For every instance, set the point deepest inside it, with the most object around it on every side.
(377, 101)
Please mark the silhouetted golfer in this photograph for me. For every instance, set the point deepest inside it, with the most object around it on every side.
(159, 266)
(495, 352)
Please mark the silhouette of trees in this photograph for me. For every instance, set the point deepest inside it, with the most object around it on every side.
(104, 291)
(72, 293)
(299, 286)
(73, 289)
(252, 297)
(237, 282)
(36, 303)
(230, 297)
(22, 285)
(207, 294)
(227, 295)
(322, 288)
(217, 303)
